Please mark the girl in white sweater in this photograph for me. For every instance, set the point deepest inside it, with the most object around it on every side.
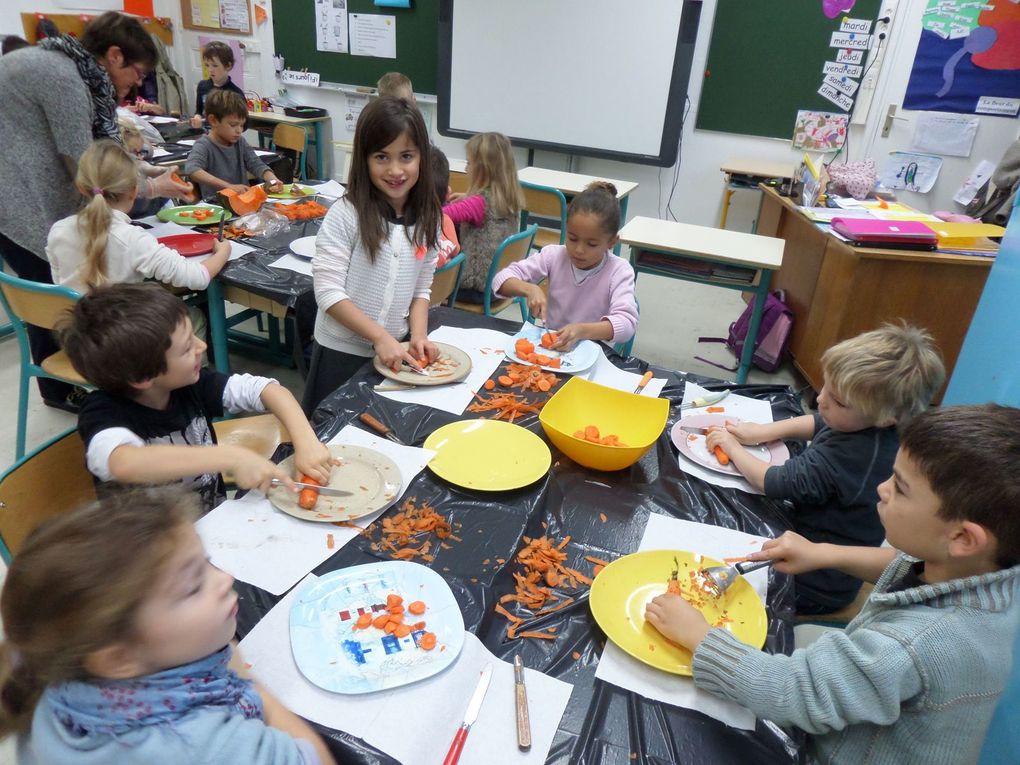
(99, 245)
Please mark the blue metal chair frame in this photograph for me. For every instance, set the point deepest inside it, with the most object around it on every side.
(29, 369)
(494, 268)
(455, 262)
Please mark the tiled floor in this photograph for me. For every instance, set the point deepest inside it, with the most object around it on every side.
(673, 315)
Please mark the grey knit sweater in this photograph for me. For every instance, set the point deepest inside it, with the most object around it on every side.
(45, 127)
(479, 243)
(914, 678)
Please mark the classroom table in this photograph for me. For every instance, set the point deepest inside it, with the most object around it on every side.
(747, 175)
(709, 256)
(838, 291)
(321, 138)
(602, 723)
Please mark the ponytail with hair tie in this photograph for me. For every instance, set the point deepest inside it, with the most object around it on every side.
(96, 191)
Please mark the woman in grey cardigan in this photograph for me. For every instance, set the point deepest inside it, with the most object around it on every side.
(57, 97)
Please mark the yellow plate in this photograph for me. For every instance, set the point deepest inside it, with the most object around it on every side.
(488, 455)
(621, 591)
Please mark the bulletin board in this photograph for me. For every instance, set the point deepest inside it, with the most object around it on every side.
(74, 24)
(417, 44)
(230, 16)
(765, 63)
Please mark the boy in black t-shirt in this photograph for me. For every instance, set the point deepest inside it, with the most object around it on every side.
(218, 58)
(150, 422)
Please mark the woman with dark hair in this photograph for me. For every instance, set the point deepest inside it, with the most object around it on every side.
(58, 97)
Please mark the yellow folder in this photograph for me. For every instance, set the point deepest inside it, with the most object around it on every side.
(966, 235)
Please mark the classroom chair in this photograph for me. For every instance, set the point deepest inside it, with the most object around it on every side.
(515, 247)
(446, 282)
(51, 480)
(40, 305)
(546, 203)
(295, 139)
(624, 349)
(260, 433)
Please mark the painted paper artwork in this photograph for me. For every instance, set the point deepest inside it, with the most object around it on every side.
(968, 58)
(819, 131)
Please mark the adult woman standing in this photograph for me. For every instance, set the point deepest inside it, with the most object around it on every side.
(57, 97)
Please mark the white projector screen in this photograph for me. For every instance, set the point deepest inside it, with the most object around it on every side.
(597, 78)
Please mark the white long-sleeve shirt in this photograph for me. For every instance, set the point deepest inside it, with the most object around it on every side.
(132, 255)
(383, 289)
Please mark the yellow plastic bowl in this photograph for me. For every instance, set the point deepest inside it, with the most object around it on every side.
(636, 420)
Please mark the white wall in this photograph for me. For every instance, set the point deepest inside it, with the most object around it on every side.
(699, 189)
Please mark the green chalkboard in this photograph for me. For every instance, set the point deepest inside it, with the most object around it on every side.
(765, 63)
(417, 44)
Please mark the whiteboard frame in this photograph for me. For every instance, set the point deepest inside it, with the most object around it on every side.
(673, 118)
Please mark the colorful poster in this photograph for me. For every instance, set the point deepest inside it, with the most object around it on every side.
(968, 58)
(819, 131)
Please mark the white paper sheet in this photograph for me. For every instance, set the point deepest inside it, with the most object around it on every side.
(740, 407)
(624, 671)
(946, 134)
(913, 172)
(186, 141)
(251, 540)
(159, 120)
(328, 189)
(159, 151)
(331, 25)
(293, 263)
(973, 183)
(373, 34)
(605, 373)
(237, 250)
(160, 229)
(438, 703)
(484, 346)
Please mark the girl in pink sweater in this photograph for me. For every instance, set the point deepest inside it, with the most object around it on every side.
(591, 290)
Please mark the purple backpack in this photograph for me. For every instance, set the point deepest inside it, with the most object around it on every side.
(773, 335)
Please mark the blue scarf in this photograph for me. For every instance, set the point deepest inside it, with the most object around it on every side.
(115, 707)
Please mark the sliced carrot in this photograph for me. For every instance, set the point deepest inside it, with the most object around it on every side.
(505, 381)
(427, 641)
(554, 363)
(394, 600)
(330, 544)
(591, 432)
(390, 627)
(380, 622)
(598, 561)
(489, 385)
(716, 409)
(418, 626)
(402, 631)
(417, 607)
(364, 622)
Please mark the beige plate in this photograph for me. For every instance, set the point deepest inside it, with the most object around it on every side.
(453, 365)
(372, 476)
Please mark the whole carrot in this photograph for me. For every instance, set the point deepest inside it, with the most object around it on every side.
(723, 457)
(308, 497)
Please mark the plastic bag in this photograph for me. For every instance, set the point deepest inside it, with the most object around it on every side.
(265, 222)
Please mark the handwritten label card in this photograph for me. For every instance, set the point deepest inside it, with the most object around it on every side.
(843, 102)
(855, 25)
(850, 40)
(292, 77)
(849, 56)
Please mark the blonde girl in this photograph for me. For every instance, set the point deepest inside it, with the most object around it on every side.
(490, 210)
(99, 245)
(376, 252)
(116, 602)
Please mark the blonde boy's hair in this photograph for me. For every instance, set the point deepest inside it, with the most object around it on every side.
(491, 168)
(106, 174)
(395, 84)
(890, 373)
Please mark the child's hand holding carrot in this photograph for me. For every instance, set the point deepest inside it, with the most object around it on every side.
(313, 458)
(569, 336)
(423, 348)
(750, 433)
(392, 353)
(677, 620)
(723, 439)
(254, 472)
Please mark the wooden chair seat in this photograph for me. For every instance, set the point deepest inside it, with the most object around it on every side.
(544, 237)
(59, 365)
(260, 433)
(446, 282)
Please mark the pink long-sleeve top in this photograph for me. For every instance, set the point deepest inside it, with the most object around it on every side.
(607, 294)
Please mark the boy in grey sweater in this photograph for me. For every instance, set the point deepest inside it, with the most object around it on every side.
(873, 383)
(223, 159)
(916, 675)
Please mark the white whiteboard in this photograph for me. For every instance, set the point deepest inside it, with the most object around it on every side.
(593, 77)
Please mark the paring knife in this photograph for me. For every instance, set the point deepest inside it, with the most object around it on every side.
(379, 427)
(707, 400)
(326, 491)
(470, 716)
(521, 697)
(695, 431)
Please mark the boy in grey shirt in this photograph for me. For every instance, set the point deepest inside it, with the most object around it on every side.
(223, 159)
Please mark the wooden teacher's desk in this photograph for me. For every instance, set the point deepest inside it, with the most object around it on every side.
(837, 290)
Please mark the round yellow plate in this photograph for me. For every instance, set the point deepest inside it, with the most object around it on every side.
(488, 455)
(621, 591)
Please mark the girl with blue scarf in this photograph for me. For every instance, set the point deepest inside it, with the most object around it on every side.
(117, 650)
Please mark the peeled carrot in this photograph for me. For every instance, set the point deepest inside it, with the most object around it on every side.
(308, 497)
(427, 641)
(591, 432)
(380, 622)
(402, 631)
(716, 409)
(505, 381)
(364, 622)
(722, 456)
(489, 385)
(394, 600)
(390, 627)
(417, 607)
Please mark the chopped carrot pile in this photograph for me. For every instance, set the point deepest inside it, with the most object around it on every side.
(391, 621)
(592, 435)
(408, 534)
(696, 589)
(301, 210)
(529, 377)
(508, 406)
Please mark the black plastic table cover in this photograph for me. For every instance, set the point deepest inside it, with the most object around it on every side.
(602, 724)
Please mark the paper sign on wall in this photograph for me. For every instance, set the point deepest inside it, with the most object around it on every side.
(819, 131)
(331, 25)
(842, 70)
(843, 102)
(913, 172)
(992, 105)
(855, 25)
(849, 56)
(373, 35)
(948, 134)
(292, 77)
(842, 84)
(850, 40)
